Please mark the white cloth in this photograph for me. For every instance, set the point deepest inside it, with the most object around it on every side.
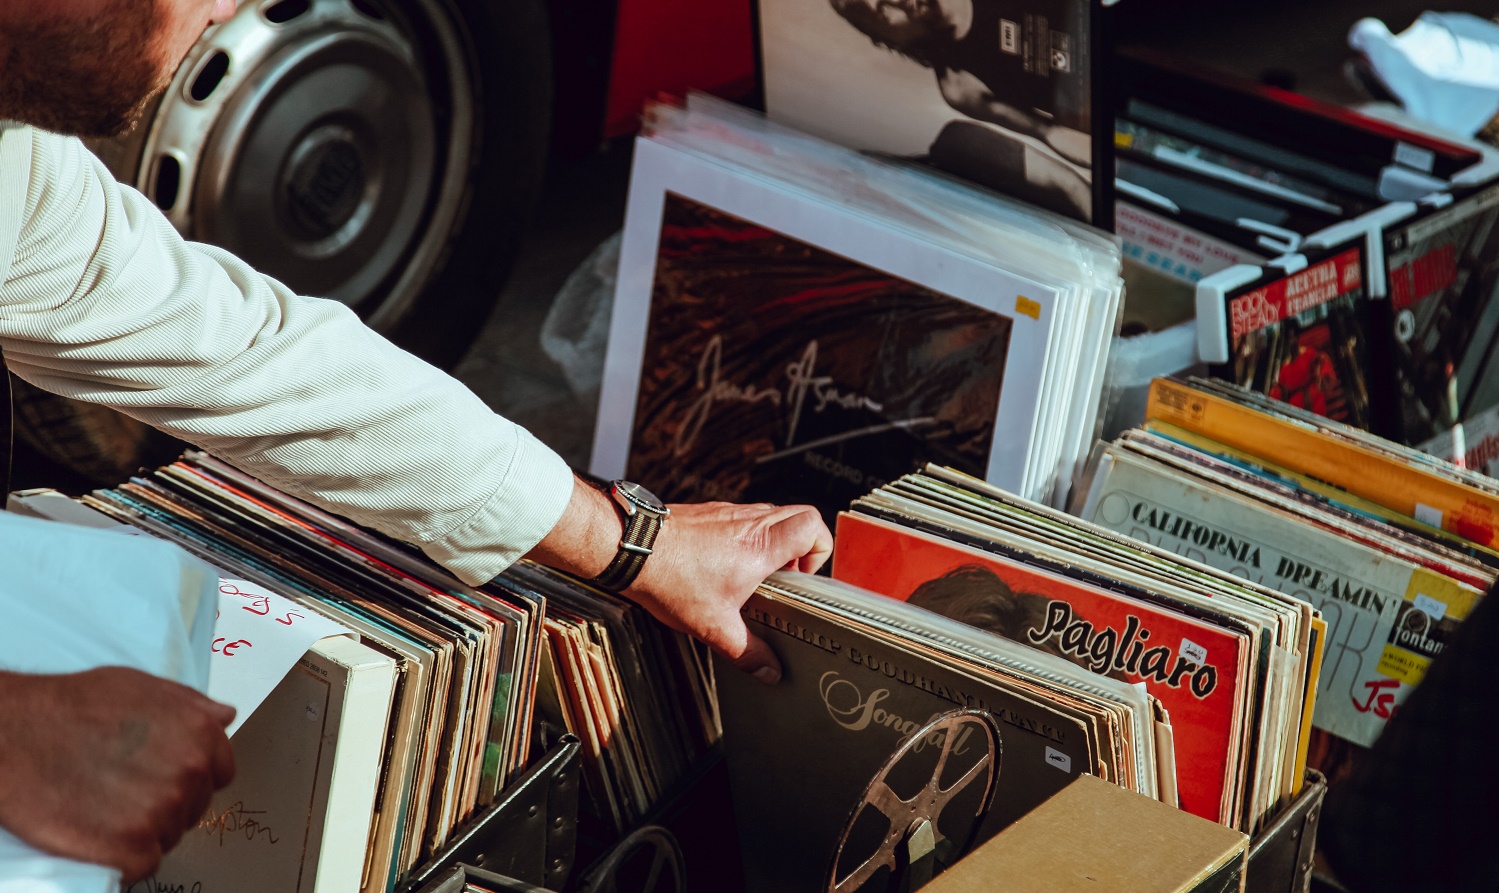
(1444, 68)
(135, 602)
(101, 300)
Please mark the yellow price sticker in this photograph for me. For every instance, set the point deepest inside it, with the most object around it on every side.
(1026, 307)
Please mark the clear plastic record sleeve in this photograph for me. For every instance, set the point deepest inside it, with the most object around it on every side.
(795, 321)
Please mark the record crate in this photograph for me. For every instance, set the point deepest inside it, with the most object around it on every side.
(1281, 855)
(534, 837)
(698, 850)
(528, 837)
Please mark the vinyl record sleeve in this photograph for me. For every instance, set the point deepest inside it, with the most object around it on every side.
(801, 753)
(1338, 136)
(1143, 582)
(1191, 666)
(1474, 444)
(1377, 648)
(1397, 478)
(1303, 337)
(1441, 318)
(1213, 462)
(1006, 93)
(1297, 623)
(769, 346)
(1224, 203)
(1183, 153)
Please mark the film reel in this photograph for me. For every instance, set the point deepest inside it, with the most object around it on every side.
(914, 834)
(1405, 326)
(649, 860)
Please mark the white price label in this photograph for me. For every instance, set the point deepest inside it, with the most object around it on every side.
(1430, 606)
(1415, 156)
(1058, 759)
(1194, 652)
(258, 637)
(1009, 37)
(1428, 514)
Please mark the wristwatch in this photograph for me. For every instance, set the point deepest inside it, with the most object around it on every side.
(642, 514)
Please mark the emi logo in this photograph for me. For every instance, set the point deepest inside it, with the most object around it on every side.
(1061, 61)
(1009, 37)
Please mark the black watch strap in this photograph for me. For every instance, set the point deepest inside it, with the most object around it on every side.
(635, 545)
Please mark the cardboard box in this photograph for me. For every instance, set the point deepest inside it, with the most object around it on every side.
(1095, 836)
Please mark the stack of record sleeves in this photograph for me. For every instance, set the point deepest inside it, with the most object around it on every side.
(485, 679)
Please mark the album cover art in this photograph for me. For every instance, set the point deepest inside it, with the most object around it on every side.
(1303, 338)
(1001, 92)
(774, 371)
(860, 716)
(1193, 667)
(1442, 316)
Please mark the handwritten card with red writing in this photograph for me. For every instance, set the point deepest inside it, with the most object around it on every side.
(258, 637)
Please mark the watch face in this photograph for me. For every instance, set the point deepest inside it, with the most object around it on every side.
(640, 496)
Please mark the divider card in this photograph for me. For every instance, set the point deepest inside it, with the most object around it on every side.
(258, 637)
(1192, 667)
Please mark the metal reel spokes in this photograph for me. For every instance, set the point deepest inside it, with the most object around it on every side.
(919, 834)
(649, 860)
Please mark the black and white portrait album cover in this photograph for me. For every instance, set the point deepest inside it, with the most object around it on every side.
(1001, 92)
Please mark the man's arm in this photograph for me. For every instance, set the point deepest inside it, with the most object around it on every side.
(106, 303)
(110, 766)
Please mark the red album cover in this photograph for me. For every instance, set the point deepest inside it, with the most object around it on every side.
(1191, 666)
(1303, 338)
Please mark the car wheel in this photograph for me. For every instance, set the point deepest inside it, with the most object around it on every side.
(383, 153)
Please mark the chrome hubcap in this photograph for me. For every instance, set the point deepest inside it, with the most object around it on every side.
(322, 141)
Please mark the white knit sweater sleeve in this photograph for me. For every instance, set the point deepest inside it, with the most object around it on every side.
(102, 301)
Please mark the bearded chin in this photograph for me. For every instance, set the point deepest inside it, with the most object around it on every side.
(86, 113)
(91, 82)
(108, 123)
(127, 116)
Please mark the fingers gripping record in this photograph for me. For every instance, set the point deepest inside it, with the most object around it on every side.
(708, 560)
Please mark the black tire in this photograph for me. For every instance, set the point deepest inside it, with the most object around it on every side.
(93, 446)
(508, 64)
(513, 88)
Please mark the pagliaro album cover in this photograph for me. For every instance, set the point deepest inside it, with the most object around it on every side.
(1303, 337)
(767, 347)
(1441, 318)
(1006, 93)
(1193, 666)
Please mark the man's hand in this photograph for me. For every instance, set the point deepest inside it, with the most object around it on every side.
(707, 561)
(108, 766)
